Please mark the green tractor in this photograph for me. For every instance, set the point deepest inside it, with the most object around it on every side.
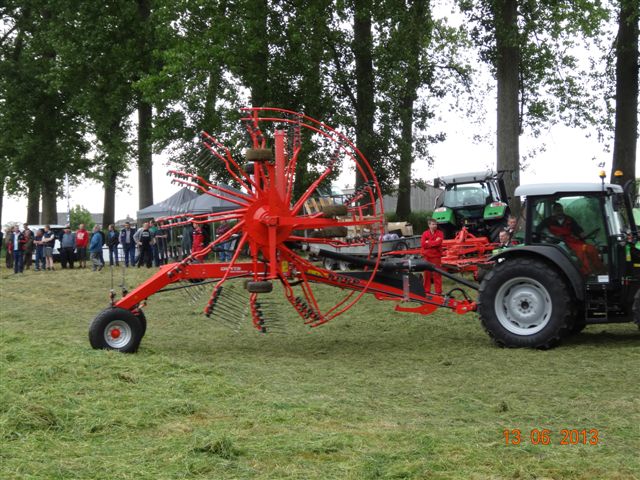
(477, 201)
(578, 264)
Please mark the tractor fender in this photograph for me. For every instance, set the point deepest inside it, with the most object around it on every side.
(552, 255)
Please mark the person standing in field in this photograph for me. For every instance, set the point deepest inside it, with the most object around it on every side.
(512, 223)
(144, 240)
(39, 246)
(431, 244)
(28, 249)
(95, 249)
(112, 243)
(225, 247)
(9, 247)
(161, 243)
(128, 244)
(67, 246)
(197, 242)
(82, 240)
(48, 240)
(17, 247)
(187, 237)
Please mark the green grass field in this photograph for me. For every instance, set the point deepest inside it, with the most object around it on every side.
(373, 394)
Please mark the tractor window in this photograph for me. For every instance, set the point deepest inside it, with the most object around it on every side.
(574, 223)
(466, 195)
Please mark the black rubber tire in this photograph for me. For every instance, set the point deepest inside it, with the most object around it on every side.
(126, 320)
(143, 321)
(259, 287)
(330, 211)
(331, 232)
(259, 154)
(636, 308)
(578, 326)
(560, 318)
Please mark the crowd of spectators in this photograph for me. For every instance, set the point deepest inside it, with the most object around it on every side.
(150, 245)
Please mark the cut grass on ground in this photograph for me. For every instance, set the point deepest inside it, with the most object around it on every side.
(373, 394)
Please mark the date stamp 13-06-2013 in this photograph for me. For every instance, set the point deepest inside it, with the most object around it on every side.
(544, 436)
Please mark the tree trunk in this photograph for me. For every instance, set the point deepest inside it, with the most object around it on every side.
(626, 127)
(145, 156)
(49, 202)
(365, 106)
(109, 182)
(145, 111)
(416, 26)
(33, 204)
(507, 69)
(258, 72)
(2, 182)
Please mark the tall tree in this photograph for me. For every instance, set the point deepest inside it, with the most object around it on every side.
(145, 41)
(626, 118)
(508, 86)
(45, 131)
(529, 46)
(365, 108)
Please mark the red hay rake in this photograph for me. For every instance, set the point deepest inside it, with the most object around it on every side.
(271, 226)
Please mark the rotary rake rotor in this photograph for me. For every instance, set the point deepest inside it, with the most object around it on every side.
(271, 223)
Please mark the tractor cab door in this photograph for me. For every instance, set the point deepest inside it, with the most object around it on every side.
(574, 223)
(625, 248)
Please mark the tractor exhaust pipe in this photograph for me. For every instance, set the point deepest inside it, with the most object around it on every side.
(408, 265)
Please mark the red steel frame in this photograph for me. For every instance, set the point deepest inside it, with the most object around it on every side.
(268, 220)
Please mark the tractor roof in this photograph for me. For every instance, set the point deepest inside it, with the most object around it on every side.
(468, 177)
(540, 189)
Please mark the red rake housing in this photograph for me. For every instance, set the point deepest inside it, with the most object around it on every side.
(271, 226)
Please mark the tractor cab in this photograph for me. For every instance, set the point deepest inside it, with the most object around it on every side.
(477, 201)
(589, 223)
(578, 264)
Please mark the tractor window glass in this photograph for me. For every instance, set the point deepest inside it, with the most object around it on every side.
(469, 194)
(576, 225)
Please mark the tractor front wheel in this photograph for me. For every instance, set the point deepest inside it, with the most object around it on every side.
(525, 303)
(116, 329)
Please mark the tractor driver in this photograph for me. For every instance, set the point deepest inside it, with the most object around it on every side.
(566, 228)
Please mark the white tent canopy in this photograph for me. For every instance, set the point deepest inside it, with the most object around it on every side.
(208, 203)
(170, 206)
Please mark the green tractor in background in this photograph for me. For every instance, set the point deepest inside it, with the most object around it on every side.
(477, 201)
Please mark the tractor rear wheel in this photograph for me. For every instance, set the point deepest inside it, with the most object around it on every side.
(116, 329)
(524, 303)
(636, 308)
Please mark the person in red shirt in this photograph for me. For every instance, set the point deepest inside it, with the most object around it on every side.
(431, 244)
(197, 242)
(567, 229)
(82, 242)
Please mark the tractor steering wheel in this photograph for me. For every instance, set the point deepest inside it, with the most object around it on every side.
(550, 237)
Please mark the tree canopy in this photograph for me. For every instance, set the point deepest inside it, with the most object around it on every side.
(88, 89)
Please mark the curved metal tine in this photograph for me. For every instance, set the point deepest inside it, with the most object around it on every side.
(314, 186)
(290, 296)
(294, 258)
(228, 162)
(253, 127)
